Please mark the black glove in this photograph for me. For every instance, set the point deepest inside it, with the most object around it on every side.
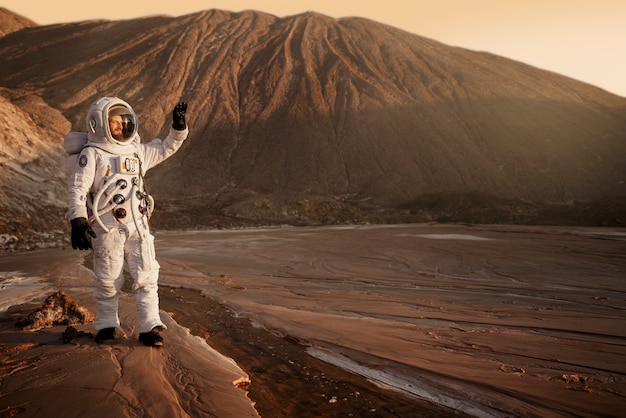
(179, 116)
(81, 232)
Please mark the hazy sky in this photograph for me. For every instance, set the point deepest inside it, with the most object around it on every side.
(583, 39)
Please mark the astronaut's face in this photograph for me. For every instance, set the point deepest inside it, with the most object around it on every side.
(115, 126)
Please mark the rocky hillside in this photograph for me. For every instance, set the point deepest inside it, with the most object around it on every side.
(32, 171)
(310, 119)
(11, 22)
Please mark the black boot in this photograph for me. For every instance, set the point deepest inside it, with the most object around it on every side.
(152, 338)
(105, 334)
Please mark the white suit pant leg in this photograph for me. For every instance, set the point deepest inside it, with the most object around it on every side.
(108, 263)
(144, 269)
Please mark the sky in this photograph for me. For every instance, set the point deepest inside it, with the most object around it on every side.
(582, 39)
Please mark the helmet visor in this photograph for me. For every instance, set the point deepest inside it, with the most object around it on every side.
(128, 126)
(122, 123)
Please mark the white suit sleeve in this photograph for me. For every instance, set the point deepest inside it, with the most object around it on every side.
(157, 151)
(80, 182)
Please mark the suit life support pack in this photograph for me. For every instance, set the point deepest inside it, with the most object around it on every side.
(73, 143)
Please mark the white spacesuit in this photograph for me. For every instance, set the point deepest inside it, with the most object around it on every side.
(109, 207)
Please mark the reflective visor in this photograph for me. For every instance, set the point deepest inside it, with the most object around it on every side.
(128, 126)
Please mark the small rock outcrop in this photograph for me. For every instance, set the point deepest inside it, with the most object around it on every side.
(71, 334)
(57, 309)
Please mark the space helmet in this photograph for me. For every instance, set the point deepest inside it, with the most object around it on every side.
(98, 116)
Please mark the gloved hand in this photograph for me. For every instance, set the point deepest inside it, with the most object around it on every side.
(179, 116)
(81, 232)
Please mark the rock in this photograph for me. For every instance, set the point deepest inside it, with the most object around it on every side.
(8, 241)
(71, 334)
(57, 309)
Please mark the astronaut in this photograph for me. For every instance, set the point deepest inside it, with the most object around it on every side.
(109, 211)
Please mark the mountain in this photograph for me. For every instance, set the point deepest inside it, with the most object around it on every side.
(11, 22)
(312, 119)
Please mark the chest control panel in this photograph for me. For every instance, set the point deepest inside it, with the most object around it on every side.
(128, 165)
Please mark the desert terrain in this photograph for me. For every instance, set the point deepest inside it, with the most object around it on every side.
(457, 320)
